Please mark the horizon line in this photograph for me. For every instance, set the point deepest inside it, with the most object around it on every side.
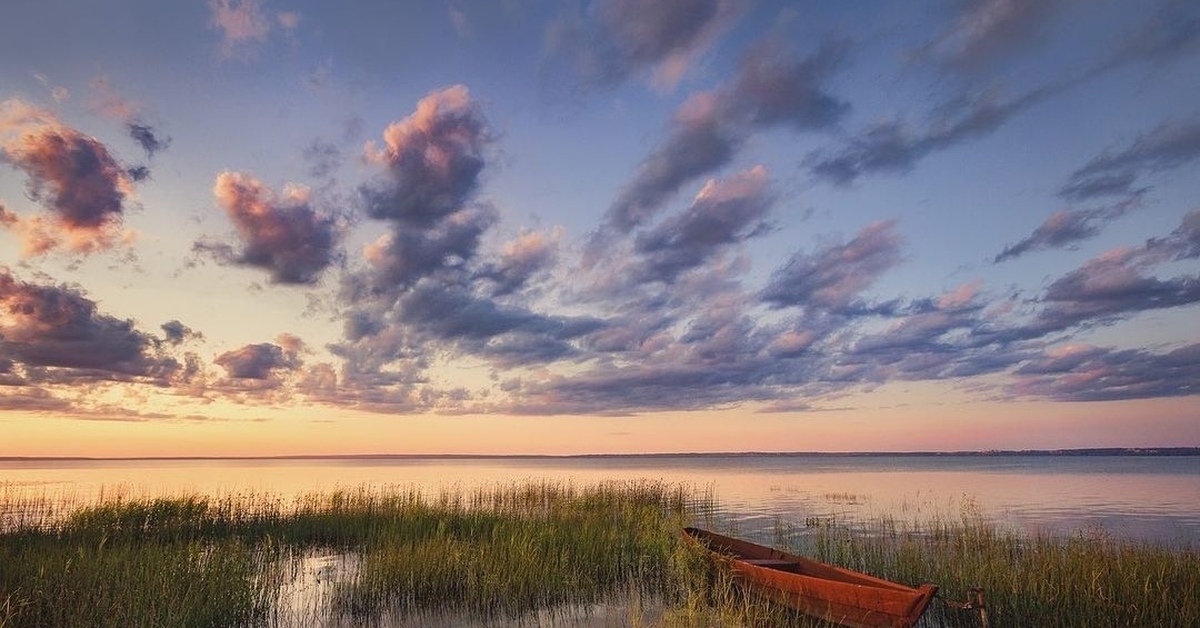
(1171, 450)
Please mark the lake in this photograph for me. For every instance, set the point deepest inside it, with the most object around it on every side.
(1154, 498)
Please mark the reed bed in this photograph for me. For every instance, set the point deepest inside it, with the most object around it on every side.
(510, 552)
(529, 550)
(1086, 579)
(219, 561)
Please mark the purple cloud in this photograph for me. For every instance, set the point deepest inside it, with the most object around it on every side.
(834, 276)
(147, 137)
(615, 390)
(618, 38)
(402, 257)
(1083, 373)
(1067, 227)
(431, 160)
(983, 30)
(771, 88)
(69, 173)
(700, 142)
(1168, 146)
(282, 234)
(262, 361)
(1117, 284)
(723, 213)
(431, 166)
(177, 333)
(1184, 242)
(427, 288)
(521, 260)
(56, 329)
(1173, 30)
(447, 313)
(894, 146)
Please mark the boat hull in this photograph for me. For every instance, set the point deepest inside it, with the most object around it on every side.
(847, 597)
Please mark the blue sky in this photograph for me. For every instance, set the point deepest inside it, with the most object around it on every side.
(687, 212)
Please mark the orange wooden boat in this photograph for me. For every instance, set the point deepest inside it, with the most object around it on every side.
(814, 588)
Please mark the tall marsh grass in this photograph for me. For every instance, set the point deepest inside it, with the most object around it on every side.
(219, 561)
(1087, 579)
(525, 550)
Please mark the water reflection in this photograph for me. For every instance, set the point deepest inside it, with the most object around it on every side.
(310, 583)
(1152, 498)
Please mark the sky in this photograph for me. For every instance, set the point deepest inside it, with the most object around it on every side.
(269, 227)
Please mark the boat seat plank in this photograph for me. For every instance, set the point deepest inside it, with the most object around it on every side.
(771, 562)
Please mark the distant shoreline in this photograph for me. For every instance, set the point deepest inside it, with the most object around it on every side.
(1092, 451)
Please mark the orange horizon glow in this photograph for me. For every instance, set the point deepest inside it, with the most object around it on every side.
(994, 426)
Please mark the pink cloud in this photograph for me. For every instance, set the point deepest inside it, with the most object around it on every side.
(281, 233)
(959, 297)
(72, 175)
(244, 23)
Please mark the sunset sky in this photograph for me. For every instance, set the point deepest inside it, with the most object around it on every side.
(523, 226)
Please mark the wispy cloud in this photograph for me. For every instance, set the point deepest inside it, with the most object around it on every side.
(108, 102)
(523, 258)
(982, 30)
(1066, 228)
(895, 146)
(772, 88)
(1168, 146)
(1087, 373)
(615, 39)
(1117, 284)
(1171, 31)
(724, 212)
(833, 277)
(147, 137)
(244, 24)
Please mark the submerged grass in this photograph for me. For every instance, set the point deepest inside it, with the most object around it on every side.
(514, 550)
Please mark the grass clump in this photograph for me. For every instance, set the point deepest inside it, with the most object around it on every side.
(49, 581)
(507, 552)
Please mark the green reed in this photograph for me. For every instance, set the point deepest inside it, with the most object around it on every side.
(1087, 579)
(512, 551)
(45, 581)
(219, 561)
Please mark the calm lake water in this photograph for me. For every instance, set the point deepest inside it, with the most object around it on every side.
(1137, 497)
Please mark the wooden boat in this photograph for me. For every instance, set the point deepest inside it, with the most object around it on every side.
(847, 597)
